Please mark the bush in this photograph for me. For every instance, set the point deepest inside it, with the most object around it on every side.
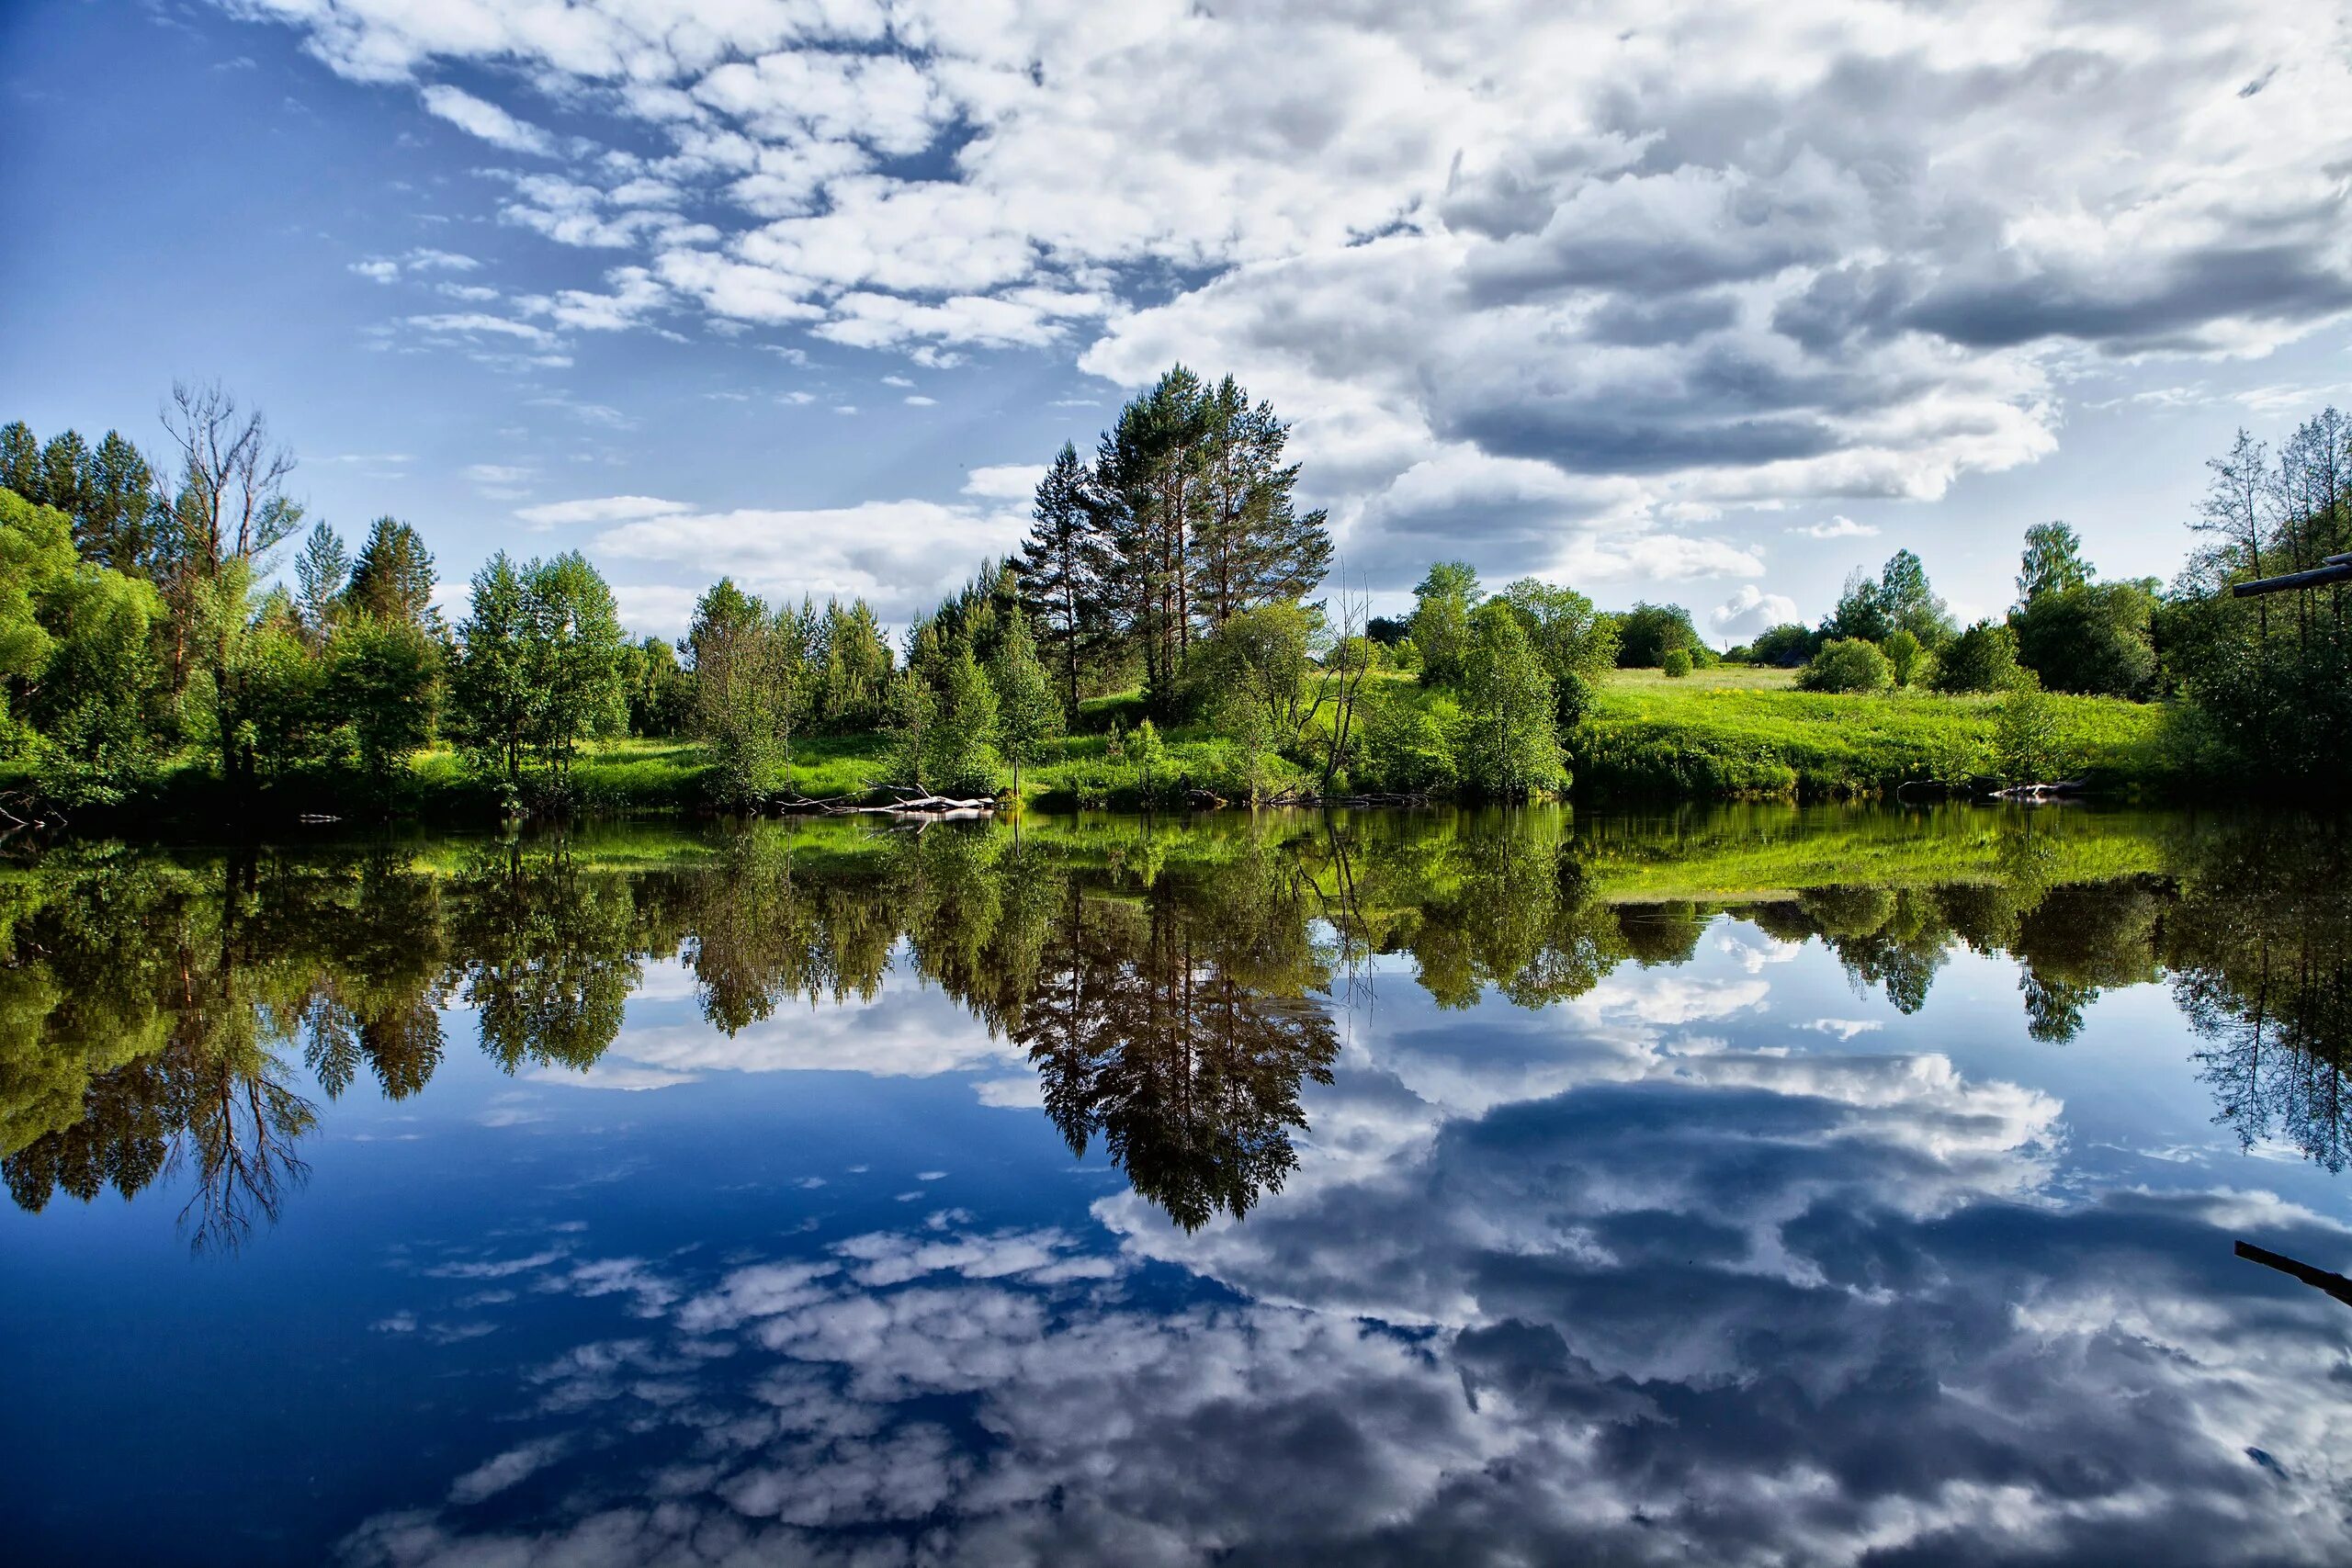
(1404, 747)
(1982, 659)
(1846, 664)
(1676, 664)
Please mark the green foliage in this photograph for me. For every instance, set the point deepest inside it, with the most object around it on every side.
(742, 693)
(660, 693)
(1676, 664)
(383, 679)
(2052, 562)
(1899, 598)
(1406, 747)
(2094, 637)
(1441, 621)
(1508, 748)
(2029, 744)
(392, 579)
(1647, 631)
(959, 754)
(1905, 657)
(494, 701)
(1982, 659)
(1846, 664)
(1028, 716)
(1787, 646)
(1576, 643)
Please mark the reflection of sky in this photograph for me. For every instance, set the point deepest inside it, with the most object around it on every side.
(1721, 1261)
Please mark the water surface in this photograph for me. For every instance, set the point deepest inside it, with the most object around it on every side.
(1746, 1185)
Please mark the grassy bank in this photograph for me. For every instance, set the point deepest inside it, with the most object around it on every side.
(1721, 734)
(1731, 733)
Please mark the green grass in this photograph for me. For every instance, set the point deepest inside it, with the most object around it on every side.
(1747, 733)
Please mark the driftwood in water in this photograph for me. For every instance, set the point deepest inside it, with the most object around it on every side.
(2335, 1285)
(2057, 790)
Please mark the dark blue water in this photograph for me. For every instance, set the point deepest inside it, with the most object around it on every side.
(1452, 1189)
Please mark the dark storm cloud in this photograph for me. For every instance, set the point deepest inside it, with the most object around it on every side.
(2174, 307)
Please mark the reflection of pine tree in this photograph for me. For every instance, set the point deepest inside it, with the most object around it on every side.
(1153, 1028)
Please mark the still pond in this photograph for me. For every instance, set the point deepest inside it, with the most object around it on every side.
(1747, 1186)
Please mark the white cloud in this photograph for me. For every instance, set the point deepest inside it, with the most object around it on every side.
(1838, 527)
(1750, 610)
(1005, 481)
(601, 508)
(1552, 285)
(478, 116)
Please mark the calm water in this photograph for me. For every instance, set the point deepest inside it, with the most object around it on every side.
(1747, 1186)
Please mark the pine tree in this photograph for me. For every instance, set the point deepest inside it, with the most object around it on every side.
(116, 525)
(320, 573)
(1064, 568)
(1027, 715)
(1252, 546)
(21, 460)
(392, 579)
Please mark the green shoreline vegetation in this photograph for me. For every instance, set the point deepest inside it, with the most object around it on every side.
(1163, 638)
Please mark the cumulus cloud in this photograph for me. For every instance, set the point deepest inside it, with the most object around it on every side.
(1837, 527)
(1750, 610)
(1603, 271)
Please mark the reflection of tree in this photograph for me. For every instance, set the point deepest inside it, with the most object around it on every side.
(2260, 950)
(549, 954)
(1180, 1031)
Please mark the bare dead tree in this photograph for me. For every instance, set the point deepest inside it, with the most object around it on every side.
(232, 479)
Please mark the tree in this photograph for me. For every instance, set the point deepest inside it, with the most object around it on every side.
(320, 572)
(115, 526)
(1905, 657)
(2095, 637)
(742, 693)
(1064, 568)
(1676, 664)
(1027, 715)
(1150, 471)
(2029, 746)
(660, 696)
(1441, 621)
(1576, 643)
(963, 756)
(1846, 664)
(383, 679)
(21, 460)
(1982, 659)
(572, 653)
(2052, 562)
(1787, 644)
(392, 579)
(494, 700)
(1647, 631)
(1510, 748)
(1909, 604)
(233, 503)
(1861, 614)
(857, 667)
(1252, 546)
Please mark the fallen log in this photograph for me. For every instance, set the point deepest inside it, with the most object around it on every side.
(2063, 787)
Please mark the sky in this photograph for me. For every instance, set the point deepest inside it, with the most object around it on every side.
(1708, 302)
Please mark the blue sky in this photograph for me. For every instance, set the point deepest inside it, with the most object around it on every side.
(1709, 303)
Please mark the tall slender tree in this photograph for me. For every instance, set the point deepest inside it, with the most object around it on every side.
(392, 579)
(1063, 570)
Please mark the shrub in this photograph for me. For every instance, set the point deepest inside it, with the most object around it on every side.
(1982, 659)
(2028, 744)
(1404, 747)
(1676, 664)
(1846, 664)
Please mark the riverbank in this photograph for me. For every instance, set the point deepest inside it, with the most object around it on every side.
(1726, 733)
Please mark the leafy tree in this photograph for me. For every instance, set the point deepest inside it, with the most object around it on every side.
(383, 679)
(2096, 637)
(1905, 657)
(1647, 631)
(278, 716)
(1846, 664)
(91, 706)
(494, 699)
(661, 695)
(1576, 643)
(2029, 745)
(1509, 746)
(1441, 620)
(1027, 715)
(392, 579)
(1676, 664)
(1787, 644)
(857, 667)
(2052, 562)
(1388, 630)
(1982, 659)
(742, 693)
(572, 653)
(1910, 604)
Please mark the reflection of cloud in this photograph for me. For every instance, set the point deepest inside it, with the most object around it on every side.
(495, 1475)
